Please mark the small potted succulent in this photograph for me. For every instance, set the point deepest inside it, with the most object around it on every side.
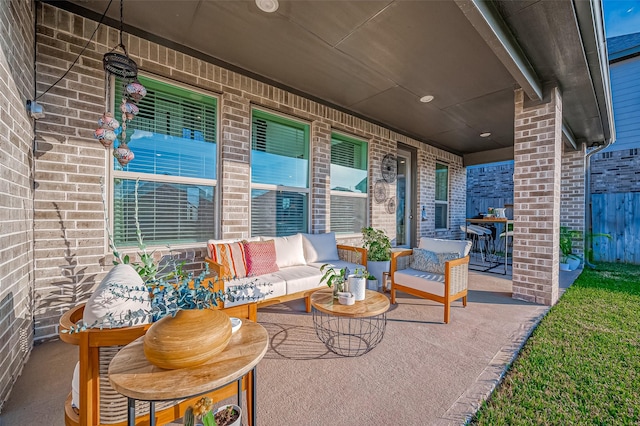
(372, 282)
(201, 415)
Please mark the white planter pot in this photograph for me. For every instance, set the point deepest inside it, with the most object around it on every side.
(238, 422)
(372, 285)
(376, 268)
(564, 266)
(574, 263)
(357, 286)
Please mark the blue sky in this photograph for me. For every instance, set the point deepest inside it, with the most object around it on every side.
(621, 17)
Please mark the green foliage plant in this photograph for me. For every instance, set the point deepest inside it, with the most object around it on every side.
(568, 235)
(377, 244)
(333, 276)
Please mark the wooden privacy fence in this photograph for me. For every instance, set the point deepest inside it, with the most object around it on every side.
(618, 215)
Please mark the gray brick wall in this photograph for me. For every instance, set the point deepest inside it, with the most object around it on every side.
(615, 171)
(72, 255)
(16, 199)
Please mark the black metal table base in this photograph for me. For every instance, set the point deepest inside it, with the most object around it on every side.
(131, 403)
(347, 336)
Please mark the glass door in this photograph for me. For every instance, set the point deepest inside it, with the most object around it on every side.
(404, 216)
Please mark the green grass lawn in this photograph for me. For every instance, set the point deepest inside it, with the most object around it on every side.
(581, 366)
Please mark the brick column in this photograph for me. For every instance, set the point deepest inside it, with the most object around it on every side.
(320, 177)
(234, 188)
(538, 160)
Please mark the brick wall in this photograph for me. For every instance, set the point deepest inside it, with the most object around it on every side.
(71, 251)
(537, 154)
(16, 199)
(615, 171)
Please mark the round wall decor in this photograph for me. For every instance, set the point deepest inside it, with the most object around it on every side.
(380, 191)
(389, 168)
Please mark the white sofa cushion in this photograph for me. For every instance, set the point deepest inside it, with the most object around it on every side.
(320, 247)
(289, 250)
(338, 264)
(420, 280)
(437, 245)
(260, 292)
(300, 278)
(121, 279)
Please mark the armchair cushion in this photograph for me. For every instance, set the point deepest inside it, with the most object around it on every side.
(428, 261)
(437, 245)
(422, 281)
(320, 247)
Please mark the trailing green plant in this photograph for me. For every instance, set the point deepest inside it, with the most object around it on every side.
(568, 235)
(360, 273)
(377, 244)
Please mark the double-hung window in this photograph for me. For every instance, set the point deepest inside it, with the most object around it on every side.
(442, 196)
(279, 175)
(173, 138)
(349, 185)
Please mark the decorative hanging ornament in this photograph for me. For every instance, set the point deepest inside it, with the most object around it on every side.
(116, 63)
(108, 122)
(123, 154)
(105, 136)
(136, 91)
(129, 109)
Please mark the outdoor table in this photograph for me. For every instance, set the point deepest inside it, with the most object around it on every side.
(498, 220)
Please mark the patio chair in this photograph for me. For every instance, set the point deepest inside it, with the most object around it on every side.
(443, 283)
(100, 404)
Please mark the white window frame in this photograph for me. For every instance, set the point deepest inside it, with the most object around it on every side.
(120, 174)
(281, 188)
(364, 195)
(440, 202)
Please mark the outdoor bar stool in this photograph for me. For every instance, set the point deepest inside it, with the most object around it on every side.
(480, 239)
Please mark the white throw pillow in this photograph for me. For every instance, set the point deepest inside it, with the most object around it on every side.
(122, 279)
(289, 251)
(103, 301)
(320, 247)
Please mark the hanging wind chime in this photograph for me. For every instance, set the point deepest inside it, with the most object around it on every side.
(109, 128)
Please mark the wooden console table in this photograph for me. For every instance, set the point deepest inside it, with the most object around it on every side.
(132, 375)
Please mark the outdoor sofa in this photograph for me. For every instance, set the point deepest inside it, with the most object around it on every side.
(278, 269)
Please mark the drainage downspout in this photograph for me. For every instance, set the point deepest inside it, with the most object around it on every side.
(602, 49)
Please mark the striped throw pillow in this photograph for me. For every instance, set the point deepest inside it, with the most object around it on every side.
(232, 258)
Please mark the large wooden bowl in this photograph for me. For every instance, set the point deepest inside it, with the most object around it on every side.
(190, 338)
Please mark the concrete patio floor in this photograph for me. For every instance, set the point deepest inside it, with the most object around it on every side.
(423, 373)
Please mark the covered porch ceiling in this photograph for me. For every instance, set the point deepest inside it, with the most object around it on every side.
(376, 59)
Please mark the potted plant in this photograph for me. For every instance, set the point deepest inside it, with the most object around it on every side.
(378, 248)
(335, 278)
(227, 415)
(372, 282)
(568, 260)
(358, 283)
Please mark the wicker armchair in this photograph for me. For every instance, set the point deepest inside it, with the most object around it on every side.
(100, 404)
(443, 288)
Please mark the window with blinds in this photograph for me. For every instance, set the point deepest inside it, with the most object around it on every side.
(279, 175)
(349, 184)
(173, 138)
(442, 196)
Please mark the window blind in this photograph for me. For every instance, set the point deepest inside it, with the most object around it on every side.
(278, 213)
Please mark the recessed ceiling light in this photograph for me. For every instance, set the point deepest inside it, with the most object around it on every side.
(268, 6)
(485, 134)
(426, 99)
